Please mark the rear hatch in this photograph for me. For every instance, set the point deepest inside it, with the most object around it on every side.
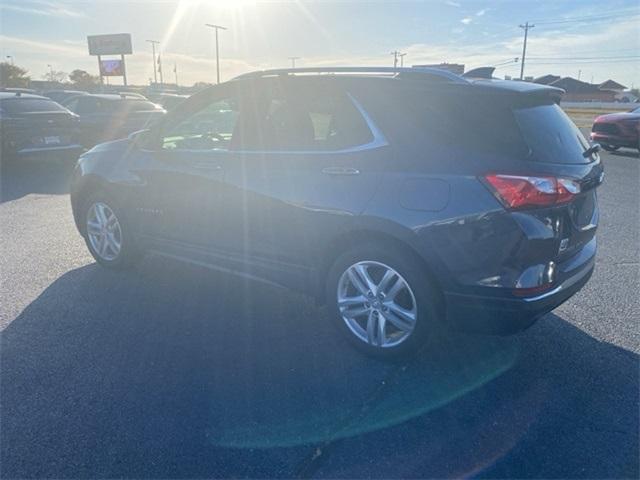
(557, 149)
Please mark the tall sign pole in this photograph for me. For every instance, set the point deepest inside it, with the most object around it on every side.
(124, 70)
(100, 70)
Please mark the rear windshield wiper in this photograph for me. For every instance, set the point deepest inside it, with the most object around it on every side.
(590, 151)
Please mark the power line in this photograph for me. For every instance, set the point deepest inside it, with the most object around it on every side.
(604, 57)
(565, 62)
(603, 16)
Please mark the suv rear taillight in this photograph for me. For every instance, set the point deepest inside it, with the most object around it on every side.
(524, 191)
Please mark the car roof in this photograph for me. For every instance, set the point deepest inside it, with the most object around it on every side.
(19, 95)
(431, 76)
(77, 92)
(115, 96)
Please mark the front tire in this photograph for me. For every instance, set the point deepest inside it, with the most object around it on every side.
(107, 234)
(383, 301)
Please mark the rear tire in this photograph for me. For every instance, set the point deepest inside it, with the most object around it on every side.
(107, 234)
(390, 305)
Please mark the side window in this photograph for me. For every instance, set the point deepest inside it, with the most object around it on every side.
(210, 128)
(86, 105)
(314, 119)
(72, 105)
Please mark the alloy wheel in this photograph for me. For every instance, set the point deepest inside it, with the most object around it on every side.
(377, 304)
(104, 231)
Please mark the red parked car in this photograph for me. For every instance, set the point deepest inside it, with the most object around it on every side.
(617, 130)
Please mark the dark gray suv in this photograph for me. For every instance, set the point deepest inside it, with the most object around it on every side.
(405, 199)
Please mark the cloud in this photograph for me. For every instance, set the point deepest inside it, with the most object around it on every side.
(42, 7)
(451, 3)
(480, 13)
(466, 20)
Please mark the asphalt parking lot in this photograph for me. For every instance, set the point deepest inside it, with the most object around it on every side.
(174, 371)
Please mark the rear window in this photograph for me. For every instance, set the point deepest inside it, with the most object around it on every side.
(28, 105)
(551, 135)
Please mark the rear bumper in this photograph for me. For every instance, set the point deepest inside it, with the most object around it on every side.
(505, 315)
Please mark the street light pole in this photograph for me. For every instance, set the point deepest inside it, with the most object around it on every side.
(216, 28)
(401, 55)
(293, 61)
(10, 57)
(153, 46)
(50, 73)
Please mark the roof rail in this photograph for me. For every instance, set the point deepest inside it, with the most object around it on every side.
(403, 71)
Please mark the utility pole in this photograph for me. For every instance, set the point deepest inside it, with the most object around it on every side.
(175, 72)
(395, 54)
(293, 61)
(579, 74)
(155, 68)
(526, 28)
(160, 69)
(401, 55)
(216, 28)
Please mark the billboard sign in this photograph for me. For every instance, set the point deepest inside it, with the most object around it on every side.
(111, 68)
(115, 44)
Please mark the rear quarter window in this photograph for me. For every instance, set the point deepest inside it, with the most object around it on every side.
(474, 123)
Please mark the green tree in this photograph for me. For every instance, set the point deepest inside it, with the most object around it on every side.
(83, 80)
(55, 76)
(13, 76)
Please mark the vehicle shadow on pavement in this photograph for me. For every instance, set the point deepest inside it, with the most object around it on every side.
(43, 176)
(174, 371)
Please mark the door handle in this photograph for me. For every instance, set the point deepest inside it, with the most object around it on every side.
(340, 171)
(207, 166)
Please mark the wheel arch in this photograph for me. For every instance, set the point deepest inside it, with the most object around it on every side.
(366, 236)
(86, 186)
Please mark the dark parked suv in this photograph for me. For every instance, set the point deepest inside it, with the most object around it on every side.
(405, 199)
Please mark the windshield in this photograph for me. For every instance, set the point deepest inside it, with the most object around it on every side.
(30, 105)
(551, 135)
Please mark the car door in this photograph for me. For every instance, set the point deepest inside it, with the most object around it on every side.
(184, 205)
(303, 177)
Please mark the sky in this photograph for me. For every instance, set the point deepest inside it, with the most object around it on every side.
(591, 39)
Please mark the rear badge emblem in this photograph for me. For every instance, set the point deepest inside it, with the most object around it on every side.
(564, 243)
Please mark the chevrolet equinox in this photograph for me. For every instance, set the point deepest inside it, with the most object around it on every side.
(405, 199)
